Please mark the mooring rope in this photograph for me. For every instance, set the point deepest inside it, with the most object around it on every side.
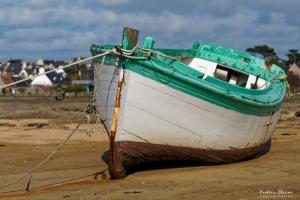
(89, 110)
(159, 54)
(45, 160)
(127, 54)
(68, 137)
(97, 85)
(56, 69)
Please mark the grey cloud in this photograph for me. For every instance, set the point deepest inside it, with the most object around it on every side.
(74, 41)
(63, 28)
(36, 33)
(113, 2)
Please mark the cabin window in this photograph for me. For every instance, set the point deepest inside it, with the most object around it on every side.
(238, 78)
(231, 76)
(225, 73)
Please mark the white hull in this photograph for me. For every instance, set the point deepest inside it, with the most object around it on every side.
(155, 113)
(158, 123)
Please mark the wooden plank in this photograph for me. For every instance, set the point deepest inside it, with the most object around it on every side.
(130, 38)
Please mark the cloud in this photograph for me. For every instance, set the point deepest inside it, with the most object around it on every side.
(113, 2)
(35, 33)
(63, 28)
(2, 45)
(74, 41)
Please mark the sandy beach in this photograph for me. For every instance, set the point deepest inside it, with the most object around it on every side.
(31, 128)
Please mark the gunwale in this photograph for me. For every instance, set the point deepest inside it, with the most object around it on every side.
(180, 76)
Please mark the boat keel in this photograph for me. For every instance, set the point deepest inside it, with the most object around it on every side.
(126, 154)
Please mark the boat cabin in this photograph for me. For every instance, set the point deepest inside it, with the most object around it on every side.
(226, 73)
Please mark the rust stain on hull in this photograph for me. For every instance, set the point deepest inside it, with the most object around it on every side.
(115, 166)
(131, 153)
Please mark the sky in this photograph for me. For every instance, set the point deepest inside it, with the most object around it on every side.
(61, 29)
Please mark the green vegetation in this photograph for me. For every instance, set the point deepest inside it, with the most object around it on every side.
(75, 89)
(293, 56)
(268, 52)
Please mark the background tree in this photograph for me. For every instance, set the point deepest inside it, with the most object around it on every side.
(267, 52)
(263, 50)
(293, 56)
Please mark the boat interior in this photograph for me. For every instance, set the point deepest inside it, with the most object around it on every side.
(225, 73)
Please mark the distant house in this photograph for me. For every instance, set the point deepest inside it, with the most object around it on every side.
(59, 63)
(294, 75)
(57, 77)
(17, 67)
(40, 62)
(54, 78)
(14, 66)
(31, 71)
(1, 84)
(41, 80)
(10, 68)
(24, 84)
(77, 59)
(15, 70)
(6, 78)
(50, 64)
(47, 64)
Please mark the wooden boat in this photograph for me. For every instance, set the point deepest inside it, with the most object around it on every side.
(207, 103)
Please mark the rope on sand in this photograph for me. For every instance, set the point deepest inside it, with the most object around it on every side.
(44, 161)
(89, 110)
(67, 138)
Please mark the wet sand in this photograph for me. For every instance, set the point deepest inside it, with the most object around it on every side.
(79, 171)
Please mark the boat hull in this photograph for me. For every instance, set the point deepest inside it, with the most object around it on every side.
(135, 153)
(159, 123)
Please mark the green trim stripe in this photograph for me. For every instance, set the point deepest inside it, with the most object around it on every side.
(179, 76)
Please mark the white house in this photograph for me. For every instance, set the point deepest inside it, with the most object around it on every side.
(41, 80)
